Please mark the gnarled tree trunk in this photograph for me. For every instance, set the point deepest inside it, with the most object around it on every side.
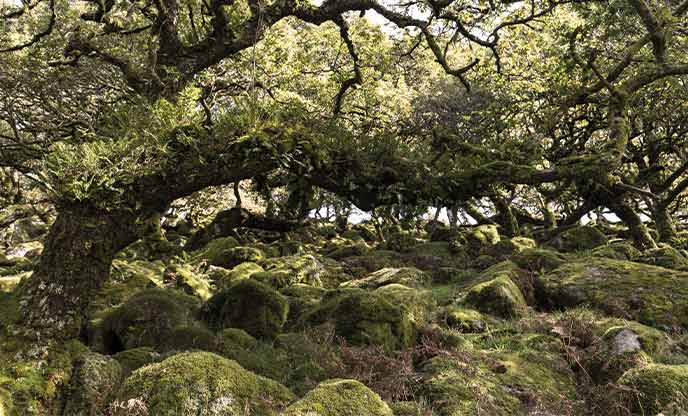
(75, 263)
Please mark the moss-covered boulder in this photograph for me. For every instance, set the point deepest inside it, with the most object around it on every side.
(537, 259)
(285, 271)
(135, 358)
(419, 303)
(231, 257)
(214, 250)
(407, 276)
(190, 337)
(665, 256)
(235, 338)
(652, 295)
(499, 296)
(505, 248)
(221, 278)
(525, 383)
(184, 278)
(619, 250)
(93, 383)
(348, 250)
(654, 388)
(249, 305)
(481, 236)
(401, 241)
(339, 398)
(200, 383)
(465, 319)
(301, 298)
(147, 319)
(579, 238)
(360, 266)
(365, 318)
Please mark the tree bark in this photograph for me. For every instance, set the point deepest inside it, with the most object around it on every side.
(664, 223)
(75, 263)
(641, 237)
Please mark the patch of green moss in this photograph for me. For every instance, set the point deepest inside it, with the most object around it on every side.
(407, 276)
(187, 338)
(539, 259)
(579, 238)
(499, 296)
(35, 376)
(418, 302)
(147, 319)
(249, 305)
(93, 384)
(234, 256)
(466, 319)
(222, 278)
(654, 387)
(235, 337)
(365, 318)
(619, 250)
(214, 250)
(499, 384)
(285, 271)
(201, 383)
(337, 398)
(665, 256)
(135, 358)
(349, 250)
(184, 278)
(301, 298)
(651, 295)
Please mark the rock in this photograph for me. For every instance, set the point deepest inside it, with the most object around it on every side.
(418, 302)
(135, 358)
(223, 278)
(182, 277)
(364, 318)
(481, 236)
(285, 271)
(93, 384)
(579, 238)
(651, 295)
(626, 341)
(465, 319)
(203, 384)
(234, 337)
(375, 260)
(444, 233)
(618, 250)
(146, 319)
(401, 241)
(349, 250)
(187, 338)
(665, 256)
(339, 398)
(407, 276)
(654, 387)
(231, 257)
(499, 384)
(506, 248)
(498, 296)
(249, 305)
(301, 298)
(537, 260)
(215, 250)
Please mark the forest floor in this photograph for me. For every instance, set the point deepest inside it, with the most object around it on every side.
(326, 322)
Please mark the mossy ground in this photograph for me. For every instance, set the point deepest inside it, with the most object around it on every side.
(339, 324)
